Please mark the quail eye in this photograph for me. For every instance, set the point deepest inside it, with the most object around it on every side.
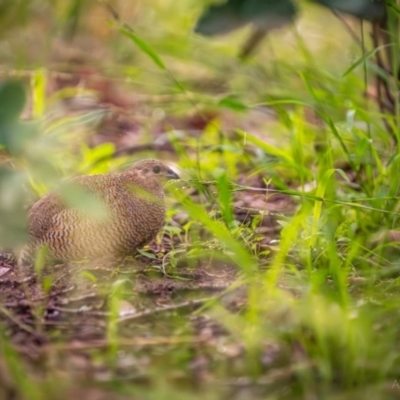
(156, 169)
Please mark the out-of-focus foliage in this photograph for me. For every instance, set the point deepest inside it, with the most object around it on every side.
(226, 17)
(12, 14)
(371, 10)
(269, 14)
(12, 135)
(12, 95)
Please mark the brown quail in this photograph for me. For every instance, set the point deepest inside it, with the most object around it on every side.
(134, 207)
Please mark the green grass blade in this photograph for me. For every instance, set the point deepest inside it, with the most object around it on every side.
(145, 47)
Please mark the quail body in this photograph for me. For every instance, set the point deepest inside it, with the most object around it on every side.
(134, 212)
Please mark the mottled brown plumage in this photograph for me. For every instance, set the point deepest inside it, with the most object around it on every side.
(133, 213)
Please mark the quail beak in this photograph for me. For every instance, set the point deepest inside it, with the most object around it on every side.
(172, 175)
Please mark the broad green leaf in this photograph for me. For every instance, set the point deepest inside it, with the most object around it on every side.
(94, 157)
(367, 9)
(12, 100)
(220, 19)
(101, 152)
(232, 15)
(20, 142)
(13, 133)
(269, 14)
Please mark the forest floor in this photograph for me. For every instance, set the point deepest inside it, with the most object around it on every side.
(67, 319)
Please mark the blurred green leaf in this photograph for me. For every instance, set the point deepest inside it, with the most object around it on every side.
(40, 260)
(266, 147)
(73, 16)
(15, 137)
(221, 18)
(172, 229)
(12, 100)
(83, 200)
(39, 83)
(367, 9)
(89, 276)
(233, 103)
(12, 215)
(265, 15)
(100, 152)
(93, 157)
(320, 192)
(12, 14)
(114, 303)
(146, 254)
(225, 197)
(364, 58)
(269, 14)
(143, 46)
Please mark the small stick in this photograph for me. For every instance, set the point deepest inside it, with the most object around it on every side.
(146, 313)
(141, 341)
(17, 322)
